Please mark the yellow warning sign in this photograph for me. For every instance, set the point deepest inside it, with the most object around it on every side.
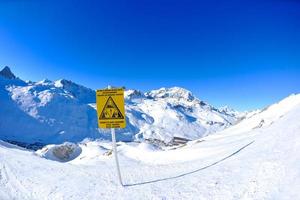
(110, 108)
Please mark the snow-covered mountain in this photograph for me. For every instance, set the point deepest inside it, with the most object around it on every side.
(173, 112)
(45, 111)
(58, 111)
(257, 158)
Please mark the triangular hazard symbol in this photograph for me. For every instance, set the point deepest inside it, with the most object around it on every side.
(110, 110)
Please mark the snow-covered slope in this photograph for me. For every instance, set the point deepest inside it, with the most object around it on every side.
(174, 112)
(245, 161)
(267, 116)
(45, 111)
(58, 111)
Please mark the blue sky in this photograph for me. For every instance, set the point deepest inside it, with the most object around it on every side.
(245, 54)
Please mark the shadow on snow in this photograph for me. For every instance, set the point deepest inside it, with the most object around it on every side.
(191, 172)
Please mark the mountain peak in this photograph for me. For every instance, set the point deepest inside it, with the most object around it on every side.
(226, 109)
(6, 72)
(133, 94)
(82, 93)
(63, 83)
(173, 92)
(45, 82)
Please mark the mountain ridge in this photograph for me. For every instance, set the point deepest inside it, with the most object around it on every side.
(58, 111)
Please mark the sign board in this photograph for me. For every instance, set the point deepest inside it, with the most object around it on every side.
(110, 108)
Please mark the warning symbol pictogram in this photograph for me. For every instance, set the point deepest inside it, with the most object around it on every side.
(110, 110)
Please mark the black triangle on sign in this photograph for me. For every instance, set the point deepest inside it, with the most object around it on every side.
(110, 110)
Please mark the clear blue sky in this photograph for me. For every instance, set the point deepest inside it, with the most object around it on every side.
(245, 54)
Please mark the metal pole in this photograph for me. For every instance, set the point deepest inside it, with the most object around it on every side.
(113, 137)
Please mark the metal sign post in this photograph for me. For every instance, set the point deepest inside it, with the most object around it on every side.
(113, 138)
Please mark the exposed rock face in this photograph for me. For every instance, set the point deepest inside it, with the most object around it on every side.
(6, 72)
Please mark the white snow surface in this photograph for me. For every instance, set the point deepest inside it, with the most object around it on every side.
(173, 112)
(59, 111)
(250, 160)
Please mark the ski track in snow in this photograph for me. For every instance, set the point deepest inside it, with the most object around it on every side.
(257, 158)
(257, 164)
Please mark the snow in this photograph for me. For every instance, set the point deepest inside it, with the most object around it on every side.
(177, 93)
(269, 115)
(173, 112)
(231, 155)
(58, 111)
(241, 162)
(46, 113)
